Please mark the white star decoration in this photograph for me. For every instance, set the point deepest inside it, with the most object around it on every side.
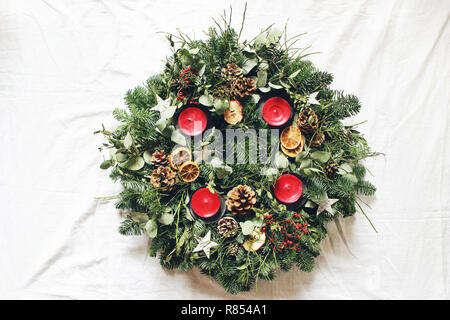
(205, 244)
(312, 98)
(162, 105)
(325, 205)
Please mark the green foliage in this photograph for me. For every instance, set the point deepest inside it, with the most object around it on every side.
(274, 64)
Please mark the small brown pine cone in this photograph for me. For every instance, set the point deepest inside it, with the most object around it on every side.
(243, 87)
(231, 72)
(163, 179)
(159, 158)
(307, 120)
(331, 169)
(228, 227)
(233, 249)
(317, 139)
(241, 200)
(223, 91)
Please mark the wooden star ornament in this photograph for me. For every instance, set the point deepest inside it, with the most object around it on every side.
(325, 205)
(162, 105)
(312, 98)
(205, 244)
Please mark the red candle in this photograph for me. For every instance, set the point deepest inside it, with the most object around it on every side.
(192, 121)
(288, 188)
(276, 111)
(204, 203)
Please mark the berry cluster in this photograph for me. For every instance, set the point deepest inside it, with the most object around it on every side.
(185, 80)
(180, 96)
(186, 75)
(286, 234)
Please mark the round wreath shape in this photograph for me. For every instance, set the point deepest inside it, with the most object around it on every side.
(235, 157)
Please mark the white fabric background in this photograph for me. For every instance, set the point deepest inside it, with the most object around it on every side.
(64, 65)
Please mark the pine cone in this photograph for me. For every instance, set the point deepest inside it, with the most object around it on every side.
(228, 227)
(223, 91)
(317, 139)
(307, 120)
(159, 158)
(241, 200)
(233, 249)
(231, 72)
(242, 87)
(163, 178)
(331, 169)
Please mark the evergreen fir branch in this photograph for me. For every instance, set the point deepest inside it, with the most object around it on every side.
(129, 227)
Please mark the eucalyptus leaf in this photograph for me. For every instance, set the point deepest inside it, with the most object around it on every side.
(301, 156)
(128, 141)
(121, 157)
(321, 156)
(265, 89)
(167, 132)
(178, 138)
(275, 86)
(269, 171)
(183, 238)
(281, 161)
(309, 204)
(166, 218)
(248, 66)
(260, 41)
(139, 217)
(206, 100)
(223, 171)
(220, 106)
(263, 65)
(247, 227)
(106, 164)
(345, 168)
(256, 98)
(168, 112)
(134, 164)
(188, 215)
(274, 36)
(258, 221)
(161, 124)
(307, 163)
(216, 162)
(194, 51)
(202, 70)
(242, 267)
(261, 78)
(151, 227)
(147, 155)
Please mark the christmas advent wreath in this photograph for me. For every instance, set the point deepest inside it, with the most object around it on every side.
(238, 222)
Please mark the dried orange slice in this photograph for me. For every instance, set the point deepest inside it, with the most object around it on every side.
(189, 171)
(291, 137)
(294, 152)
(234, 114)
(179, 156)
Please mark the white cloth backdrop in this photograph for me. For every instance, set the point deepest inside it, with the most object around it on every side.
(64, 66)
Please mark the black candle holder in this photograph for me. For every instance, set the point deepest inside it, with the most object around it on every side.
(219, 214)
(300, 202)
(204, 109)
(274, 94)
